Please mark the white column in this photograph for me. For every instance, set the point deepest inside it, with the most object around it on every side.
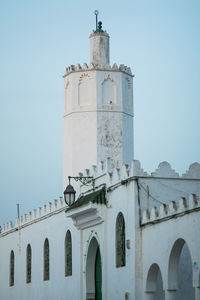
(197, 293)
(170, 295)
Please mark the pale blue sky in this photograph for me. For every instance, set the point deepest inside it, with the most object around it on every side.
(158, 39)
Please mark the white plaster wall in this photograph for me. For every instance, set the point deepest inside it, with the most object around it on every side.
(121, 280)
(127, 139)
(115, 281)
(158, 241)
(151, 244)
(58, 287)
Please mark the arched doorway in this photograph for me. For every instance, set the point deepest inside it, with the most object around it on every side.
(180, 273)
(93, 272)
(154, 284)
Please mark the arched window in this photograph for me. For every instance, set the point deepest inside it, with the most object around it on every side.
(68, 254)
(120, 241)
(46, 260)
(12, 268)
(28, 264)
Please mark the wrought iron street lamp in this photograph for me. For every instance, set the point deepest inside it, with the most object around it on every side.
(69, 192)
(69, 195)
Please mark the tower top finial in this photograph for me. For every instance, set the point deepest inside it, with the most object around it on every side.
(98, 24)
(96, 14)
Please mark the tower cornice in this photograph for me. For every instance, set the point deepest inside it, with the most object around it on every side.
(122, 68)
(97, 33)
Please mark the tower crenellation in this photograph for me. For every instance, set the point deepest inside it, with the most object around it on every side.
(78, 68)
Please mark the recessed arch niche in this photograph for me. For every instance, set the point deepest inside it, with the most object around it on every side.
(85, 90)
(108, 91)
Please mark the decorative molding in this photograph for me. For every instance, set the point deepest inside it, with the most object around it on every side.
(108, 89)
(165, 170)
(91, 67)
(193, 171)
(82, 77)
(87, 215)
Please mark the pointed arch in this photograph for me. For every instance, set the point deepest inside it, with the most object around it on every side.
(85, 95)
(46, 260)
(68, 254)
(28, 263)
(12, 268)
(120, 248)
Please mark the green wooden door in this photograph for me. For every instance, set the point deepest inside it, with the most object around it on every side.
(98, 276)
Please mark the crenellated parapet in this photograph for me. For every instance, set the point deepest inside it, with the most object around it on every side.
(92, 67)
(104, 173)
(125, 172)
(35, 215)
(173, 209)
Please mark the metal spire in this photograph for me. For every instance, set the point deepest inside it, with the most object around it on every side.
(96, 14)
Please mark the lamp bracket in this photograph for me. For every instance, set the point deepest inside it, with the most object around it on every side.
(85, 180)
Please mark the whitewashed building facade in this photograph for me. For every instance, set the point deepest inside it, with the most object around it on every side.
(130, 235)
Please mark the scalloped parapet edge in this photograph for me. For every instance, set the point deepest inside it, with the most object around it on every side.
(193, 171)
(165, 170)
(174, 208)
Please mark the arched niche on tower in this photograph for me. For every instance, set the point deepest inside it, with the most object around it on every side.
(108, 91)
(85, 90)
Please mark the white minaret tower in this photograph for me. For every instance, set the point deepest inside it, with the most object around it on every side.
(98, 111)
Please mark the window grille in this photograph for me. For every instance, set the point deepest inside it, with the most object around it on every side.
(28, 264)
(12, 266)
(46, 260)
(68, 254)
(120, 241)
